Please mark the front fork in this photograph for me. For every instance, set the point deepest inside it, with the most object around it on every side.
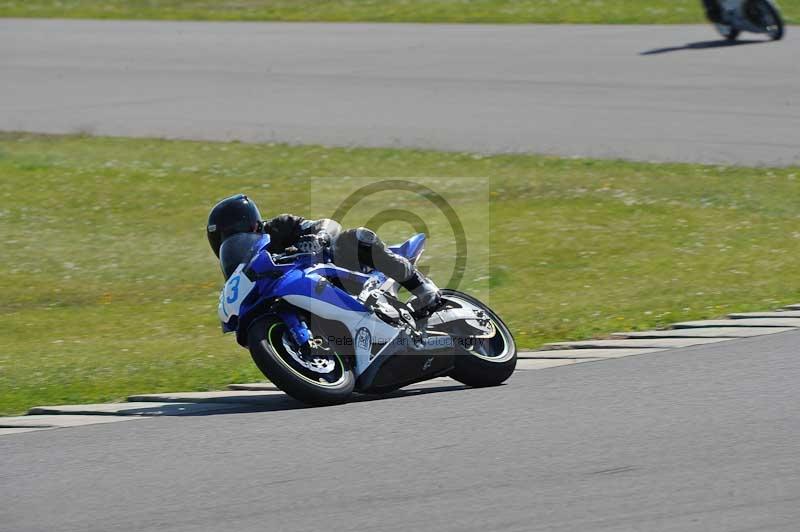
(298, 328)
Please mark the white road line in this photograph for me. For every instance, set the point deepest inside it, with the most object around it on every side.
(592, 354)
(638, 343)
(705, 332)
(774, 314)
(141, 409)
(745, 322)
(233, 396)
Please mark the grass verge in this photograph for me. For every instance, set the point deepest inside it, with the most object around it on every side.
(109, 287)
(486, 11)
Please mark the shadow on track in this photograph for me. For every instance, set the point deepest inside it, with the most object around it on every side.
(703, 45)
(282, 402)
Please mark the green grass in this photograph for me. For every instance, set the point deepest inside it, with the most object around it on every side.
(487, 11)
(109, 288)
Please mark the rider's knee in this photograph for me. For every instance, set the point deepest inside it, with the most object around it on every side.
(366, 237)
(354, 248)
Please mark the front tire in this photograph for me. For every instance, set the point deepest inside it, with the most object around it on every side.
(764, 14)
(489, 361)
(272, 352)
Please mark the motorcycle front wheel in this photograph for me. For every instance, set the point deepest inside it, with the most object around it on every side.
(765, 15)
(486, 361)
(321, 379)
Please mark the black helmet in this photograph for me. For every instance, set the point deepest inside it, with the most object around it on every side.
(237, 214)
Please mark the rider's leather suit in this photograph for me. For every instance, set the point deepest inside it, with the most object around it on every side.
(353, 249)
(713, 10)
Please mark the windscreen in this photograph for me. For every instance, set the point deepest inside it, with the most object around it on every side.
(238, 249)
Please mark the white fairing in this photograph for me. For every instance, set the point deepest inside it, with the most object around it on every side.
(236, 289)
(365, 328)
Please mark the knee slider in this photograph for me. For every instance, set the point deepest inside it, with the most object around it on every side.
(366, 236)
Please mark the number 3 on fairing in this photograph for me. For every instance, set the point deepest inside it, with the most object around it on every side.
(233, 287)
(236, 290)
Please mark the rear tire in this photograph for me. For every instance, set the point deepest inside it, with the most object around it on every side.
(727, 31)
(265, 340)
(476, 367)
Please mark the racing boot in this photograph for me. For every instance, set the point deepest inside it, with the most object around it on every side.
(355, 248)
(425, 295)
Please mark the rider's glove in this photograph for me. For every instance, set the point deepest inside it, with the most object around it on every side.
(313, 243)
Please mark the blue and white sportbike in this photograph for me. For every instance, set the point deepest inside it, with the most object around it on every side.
(320, 332)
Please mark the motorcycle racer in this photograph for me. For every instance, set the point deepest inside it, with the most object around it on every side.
(713, 10)
(731, 17)
(356, 249)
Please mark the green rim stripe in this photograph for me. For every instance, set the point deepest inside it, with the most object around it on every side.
(280, 358)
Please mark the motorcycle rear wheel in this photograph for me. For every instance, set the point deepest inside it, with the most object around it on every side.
(487, 362)
(269, 345)
(727, 31)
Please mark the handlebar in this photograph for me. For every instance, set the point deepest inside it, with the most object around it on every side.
(280, 258)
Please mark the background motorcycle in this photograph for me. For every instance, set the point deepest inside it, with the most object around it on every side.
(320, 332)
(756, 16)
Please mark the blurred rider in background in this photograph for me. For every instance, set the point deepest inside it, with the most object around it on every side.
(713, 10)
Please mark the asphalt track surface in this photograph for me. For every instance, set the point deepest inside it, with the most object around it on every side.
(662, 93)
(698, 439)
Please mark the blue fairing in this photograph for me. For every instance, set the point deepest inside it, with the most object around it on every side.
(312, 276)
(411, 248)
(311, 284)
